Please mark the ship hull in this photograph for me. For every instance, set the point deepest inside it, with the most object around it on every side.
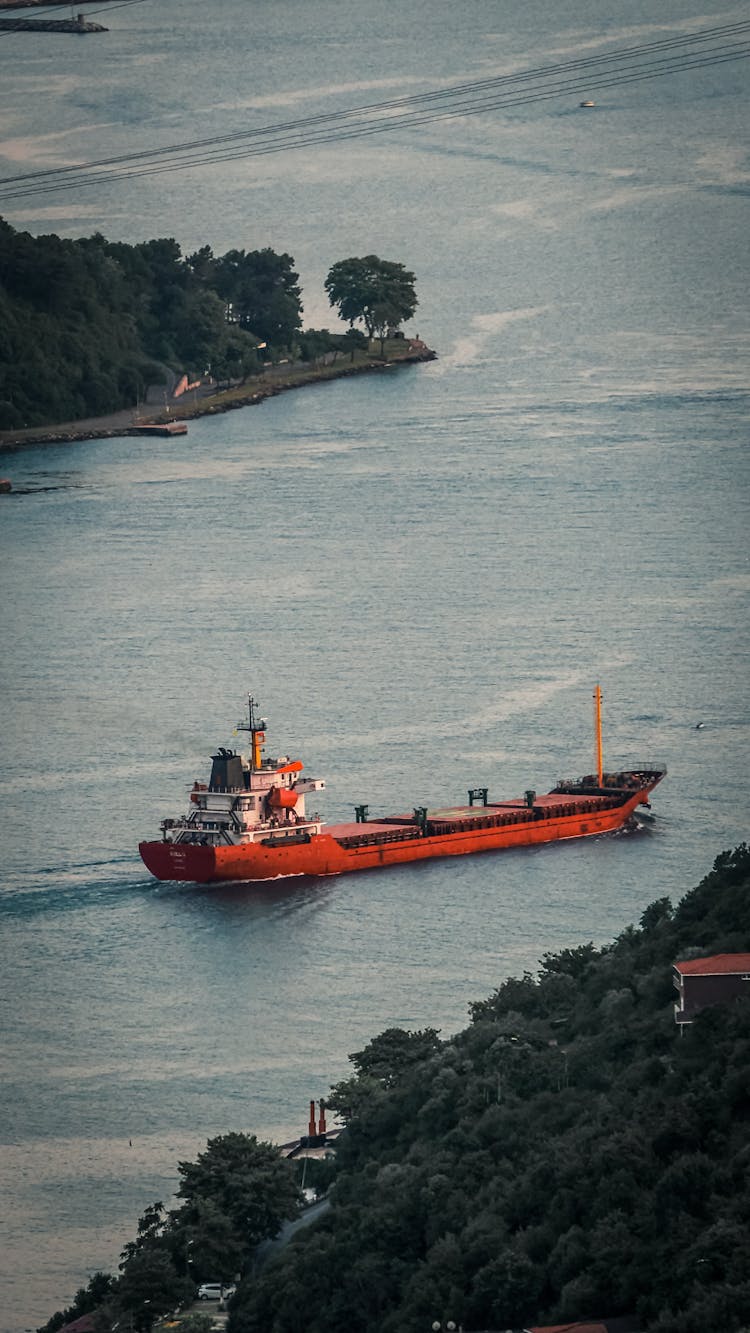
(323, 854)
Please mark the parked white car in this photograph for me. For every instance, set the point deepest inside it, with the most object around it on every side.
(214, 1291)
(210, 1291)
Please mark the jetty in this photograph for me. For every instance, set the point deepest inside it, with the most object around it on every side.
(319, 1140)
(160, 428)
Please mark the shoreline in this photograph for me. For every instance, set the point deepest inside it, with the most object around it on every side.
(49, 25)
(34, 4)
(117, 424)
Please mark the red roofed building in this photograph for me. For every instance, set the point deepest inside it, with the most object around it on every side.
(622, 1324)
(597, 1327)
(704, 981)
(84, 1324)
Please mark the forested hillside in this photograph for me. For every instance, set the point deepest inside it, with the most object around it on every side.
(569, 1154)
(86, 325)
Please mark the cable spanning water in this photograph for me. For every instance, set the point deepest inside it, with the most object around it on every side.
(633, 65)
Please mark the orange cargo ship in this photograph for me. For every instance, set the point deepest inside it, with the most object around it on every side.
(249, 821)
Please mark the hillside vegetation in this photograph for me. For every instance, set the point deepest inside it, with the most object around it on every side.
(569, 1154)
(86, 326)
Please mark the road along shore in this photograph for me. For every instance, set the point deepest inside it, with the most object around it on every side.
(249, 394)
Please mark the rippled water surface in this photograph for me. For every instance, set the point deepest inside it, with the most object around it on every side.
(420, 574)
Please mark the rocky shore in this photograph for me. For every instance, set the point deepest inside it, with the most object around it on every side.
(250, 394)
(77, 25)
(33, 4)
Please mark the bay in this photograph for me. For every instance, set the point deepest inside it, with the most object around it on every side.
(420, 574)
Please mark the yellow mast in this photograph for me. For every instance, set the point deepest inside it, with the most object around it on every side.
(598, 733)
(258, 737)
(257, 729)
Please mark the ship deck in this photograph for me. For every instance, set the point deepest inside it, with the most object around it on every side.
(467, 818)
(371, 826)
(552, 802)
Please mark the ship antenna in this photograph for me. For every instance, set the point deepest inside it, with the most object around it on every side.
(598, 734)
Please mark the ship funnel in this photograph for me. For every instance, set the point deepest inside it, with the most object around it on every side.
(322, 1120)
(311, 1126)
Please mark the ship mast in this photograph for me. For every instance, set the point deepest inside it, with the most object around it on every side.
(257, 729)
(598, 734)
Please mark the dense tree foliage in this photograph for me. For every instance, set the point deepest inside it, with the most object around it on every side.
(569, 1154)
(375, 292)
(87, 325)
(237, 1193)
(263, 292)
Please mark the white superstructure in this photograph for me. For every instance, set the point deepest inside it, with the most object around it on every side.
(248, 798)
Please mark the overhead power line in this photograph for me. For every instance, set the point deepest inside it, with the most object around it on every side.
(414, 101)
(708, 46)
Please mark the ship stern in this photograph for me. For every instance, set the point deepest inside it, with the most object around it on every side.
(186, 862)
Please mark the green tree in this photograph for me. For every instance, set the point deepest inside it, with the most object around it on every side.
(655, 913)
(86, 325)
(542, 1164)
(506, 1290)
(249, 1183)
(203, 1233)
(149, 1287)
(353, 340)
(512, 1174)
(375, 292)
(263, 291)
(388, 1056)
(381, 1065)
(151, 1233)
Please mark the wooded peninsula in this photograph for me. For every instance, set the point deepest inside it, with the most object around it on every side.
(573, 1153)
(89, 326)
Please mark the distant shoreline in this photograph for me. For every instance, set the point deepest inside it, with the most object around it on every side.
(127, 422)
(49, 25)
(33, 4)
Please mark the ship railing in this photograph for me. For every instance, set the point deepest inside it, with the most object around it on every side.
(643, 767)
(180, 823)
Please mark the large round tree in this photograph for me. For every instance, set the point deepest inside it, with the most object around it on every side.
(375, 292)
(238, 1187)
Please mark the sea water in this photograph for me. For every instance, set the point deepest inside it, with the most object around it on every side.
(420, 574)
